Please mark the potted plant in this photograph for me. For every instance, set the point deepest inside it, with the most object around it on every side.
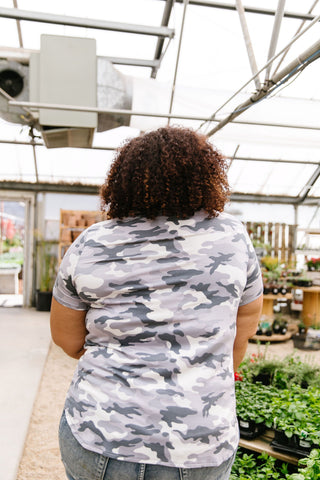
(302, 281)
(47, 263)
(313, 264)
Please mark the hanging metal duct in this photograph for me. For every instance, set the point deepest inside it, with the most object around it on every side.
(114, 91)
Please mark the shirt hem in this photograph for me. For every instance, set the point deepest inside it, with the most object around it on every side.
(106, 454)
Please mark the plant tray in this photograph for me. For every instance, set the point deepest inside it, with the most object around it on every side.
(293, 446)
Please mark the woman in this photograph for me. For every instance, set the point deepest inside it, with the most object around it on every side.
(158, 303)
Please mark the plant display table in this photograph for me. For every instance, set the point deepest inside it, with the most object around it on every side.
(262, 444)
(276, 337)
(268, 300)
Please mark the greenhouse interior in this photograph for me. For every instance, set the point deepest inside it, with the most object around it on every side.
(78, 80)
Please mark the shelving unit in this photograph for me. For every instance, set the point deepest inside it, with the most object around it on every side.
(72, 223)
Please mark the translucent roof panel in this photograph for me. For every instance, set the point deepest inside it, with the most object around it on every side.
(265, 178)
(17, 163)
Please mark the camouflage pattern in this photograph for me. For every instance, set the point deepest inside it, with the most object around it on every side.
(156, 383)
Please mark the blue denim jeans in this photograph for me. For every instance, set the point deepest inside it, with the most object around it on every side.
(82, 464)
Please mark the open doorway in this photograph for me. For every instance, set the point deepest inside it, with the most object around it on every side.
(16, 234)
(12, 241)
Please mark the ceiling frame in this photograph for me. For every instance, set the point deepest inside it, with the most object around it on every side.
(162, 33)
(79, 188)
(261, 11)
(17, 14)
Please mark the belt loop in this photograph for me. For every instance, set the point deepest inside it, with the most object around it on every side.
(102, 466)
(142, 469)
(183, 472)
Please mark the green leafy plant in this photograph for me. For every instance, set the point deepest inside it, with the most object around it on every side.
(282, 373)
(311, 469)
(257, 467)
(296, 411)
(253, 402)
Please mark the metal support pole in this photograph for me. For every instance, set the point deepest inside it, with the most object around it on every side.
(185, 4)
(35, 162)
(233, 156)
(15, 4)
(275, 35)
(245, 31)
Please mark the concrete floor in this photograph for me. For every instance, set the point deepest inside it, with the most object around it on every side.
(25, 341)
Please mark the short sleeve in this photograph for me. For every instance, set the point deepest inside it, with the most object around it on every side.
(64, 290)
(254, 285)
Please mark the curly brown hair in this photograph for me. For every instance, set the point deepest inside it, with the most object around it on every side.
(172, 171)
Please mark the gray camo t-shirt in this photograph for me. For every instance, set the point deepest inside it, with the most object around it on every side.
(156, 382)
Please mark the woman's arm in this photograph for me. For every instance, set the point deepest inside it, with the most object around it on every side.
(68, 329)
(247, 322)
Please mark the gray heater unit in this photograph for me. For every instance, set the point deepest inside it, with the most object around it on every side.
(66, 71)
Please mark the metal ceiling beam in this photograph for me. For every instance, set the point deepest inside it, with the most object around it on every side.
(234, 157)
(159, 115)
(42, 17)
(135, 62)
(77, 188)
(262, 11)
(22, 55)
(274, 160)
(50, 187)
(33, 105)
(160, 42)
(273, 199)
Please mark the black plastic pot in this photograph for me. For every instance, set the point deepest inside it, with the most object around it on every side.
(43, 301)
(302, 283)
(250, 429)
(264, 378)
